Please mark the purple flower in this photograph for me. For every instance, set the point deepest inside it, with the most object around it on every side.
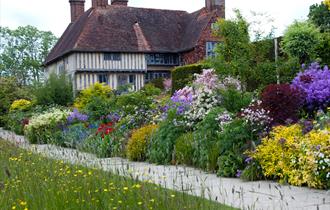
(318, 147)
(77, 116)
(307, 126)
(315, 82)
(248, 160)
(282, 140)
(239, 173)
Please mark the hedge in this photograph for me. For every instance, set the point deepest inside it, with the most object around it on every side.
(183, 75)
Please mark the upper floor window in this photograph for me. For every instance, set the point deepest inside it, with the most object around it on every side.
(112, 56)
(60, 69)
(210, 49)
(162, 59)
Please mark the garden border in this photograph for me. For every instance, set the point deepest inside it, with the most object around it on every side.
(229, 191)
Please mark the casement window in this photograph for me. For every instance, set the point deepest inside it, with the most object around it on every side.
(112, 56)
(210, 49)
(162, 59)
(103, 78)
(60, 69)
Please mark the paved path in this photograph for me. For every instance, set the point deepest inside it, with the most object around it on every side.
(234, 192)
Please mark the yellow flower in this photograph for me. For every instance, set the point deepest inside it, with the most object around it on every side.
(14, 207)
(173, 196)
(22, 203)
(140, 203)
(125, 188)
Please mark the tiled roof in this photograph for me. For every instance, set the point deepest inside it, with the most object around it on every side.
(129, 29)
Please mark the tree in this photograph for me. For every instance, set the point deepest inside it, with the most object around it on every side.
(319, 14)
(22, 52)
(301, 40)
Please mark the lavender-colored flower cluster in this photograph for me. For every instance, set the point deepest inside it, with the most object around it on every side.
(207, 79)
(183, 96)
(315, 82)
(257, 116)
(224, 119)
(77, 116)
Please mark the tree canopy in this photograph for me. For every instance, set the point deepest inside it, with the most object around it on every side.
(22, 52)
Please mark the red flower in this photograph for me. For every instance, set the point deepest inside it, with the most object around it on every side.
(105, 129)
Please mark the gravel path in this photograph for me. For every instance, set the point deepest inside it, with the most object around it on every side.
(234, 192)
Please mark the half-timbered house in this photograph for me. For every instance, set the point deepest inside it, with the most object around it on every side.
(119, 45)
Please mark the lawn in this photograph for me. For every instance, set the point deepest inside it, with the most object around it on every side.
(29, 181)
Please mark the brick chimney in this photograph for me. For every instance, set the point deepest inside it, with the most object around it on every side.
(77, 9)
(219, 5)
(99, 3)
(119, 2)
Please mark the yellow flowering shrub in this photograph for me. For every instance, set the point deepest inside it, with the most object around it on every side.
(96, 90)
(137, 144)
(20, 105)
(297, 159)
(327, 2)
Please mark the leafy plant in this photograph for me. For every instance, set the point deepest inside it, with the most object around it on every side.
(283, 103)
(56, 90)
(234, 100)
(184, 149)
(138, 143)
(230, 163)
(20, 105)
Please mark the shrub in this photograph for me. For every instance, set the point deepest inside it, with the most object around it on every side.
(163, 141)
(15, 121)
(184, 75)
(11, 91)
(131, 102)
(315, 83)
(151, 90)
(298, 159)
(184, 149)
(56, 90)
(138, 143)
(42, 126)
(98, 107)
(20, 105)
(234, 100)
(283, 103)
(86, 96)
(230, 163)
(301, 40)
(158, 83)
(253, 171)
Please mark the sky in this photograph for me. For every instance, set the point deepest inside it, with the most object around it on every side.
(54, 15)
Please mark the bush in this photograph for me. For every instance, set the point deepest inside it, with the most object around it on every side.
(129, 103)
(163, 141)
(283, 103)
(11, 91)
(301, 40)
(15, 121)
(253, 171)
(184, 75)
(151, 90)
(315, 83)
(138, 143)
(20, 105)
(158, 83)
(56, 90)
(184, 149)
(42, 126)
(230, 164)
(87, 96)
(296, 158)
(234, 100)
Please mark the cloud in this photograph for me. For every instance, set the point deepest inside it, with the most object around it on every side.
(54, 15)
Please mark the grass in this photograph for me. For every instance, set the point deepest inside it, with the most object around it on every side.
(29, 181)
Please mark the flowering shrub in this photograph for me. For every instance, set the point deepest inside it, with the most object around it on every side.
(231, 83)
(283, 103)
(167, 84)
(257, 117)
(315, 82)
(76, 116)
(224, 118)
(20, 105)
(87, 95)
(291, 156)
(138, 143)
(41, 126)
(207, 81)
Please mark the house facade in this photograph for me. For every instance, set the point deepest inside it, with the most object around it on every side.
(118, 45)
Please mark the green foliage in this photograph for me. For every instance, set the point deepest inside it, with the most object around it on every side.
(206, 145)
(56, 90)
(15, 121)
(99, 106)
(163, 141)
(319, 14)
(184, 149)
(301, 40)
(11, 91)
(252, 172)
(229, 164)
(184, 75)
(151, 90)
(79, 187)
(158, 83)
(130, 102)
(234, 100)
(23, 50)
(137, 145)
